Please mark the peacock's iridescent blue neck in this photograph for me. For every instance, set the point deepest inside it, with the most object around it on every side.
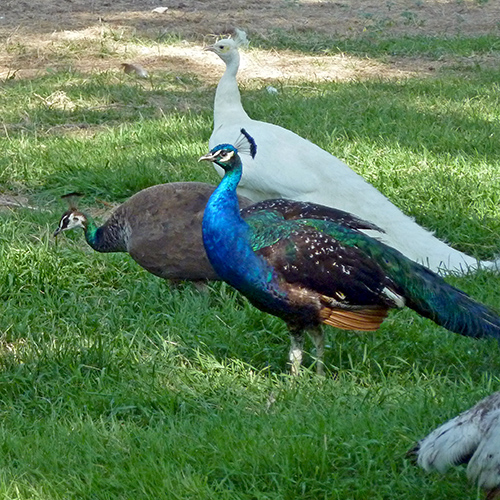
(226, 237)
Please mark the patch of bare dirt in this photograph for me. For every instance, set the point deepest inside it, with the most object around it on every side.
(35, 36)
(195, 18)
(13, 200)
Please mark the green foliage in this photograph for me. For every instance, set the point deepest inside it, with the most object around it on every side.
(374, 44)
(115, 384)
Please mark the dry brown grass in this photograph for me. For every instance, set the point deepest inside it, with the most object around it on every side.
(95, 35)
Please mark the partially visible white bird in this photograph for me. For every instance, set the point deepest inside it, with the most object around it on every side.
(472, 437)
(288, 166)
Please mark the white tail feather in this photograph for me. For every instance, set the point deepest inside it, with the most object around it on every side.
(472, 436)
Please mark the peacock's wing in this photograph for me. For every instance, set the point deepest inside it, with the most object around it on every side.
(423, 290)
(312, 259)
(293, 210)
(315, 270)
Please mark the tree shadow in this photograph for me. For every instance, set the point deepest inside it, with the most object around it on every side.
(432, 128)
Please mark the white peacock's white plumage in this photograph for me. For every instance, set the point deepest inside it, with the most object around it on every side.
(473, 437)
(289, 166)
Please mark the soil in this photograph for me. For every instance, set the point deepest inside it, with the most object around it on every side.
(35, 36)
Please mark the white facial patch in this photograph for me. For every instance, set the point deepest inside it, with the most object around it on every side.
(227, 156)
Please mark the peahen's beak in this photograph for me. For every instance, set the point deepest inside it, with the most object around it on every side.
(57, 231)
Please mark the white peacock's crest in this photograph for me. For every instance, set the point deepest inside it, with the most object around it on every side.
(240, 38)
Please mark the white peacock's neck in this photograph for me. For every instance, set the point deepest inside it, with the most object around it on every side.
(227, 105)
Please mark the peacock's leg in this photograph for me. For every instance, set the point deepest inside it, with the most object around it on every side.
(296, 350)
(318, 339)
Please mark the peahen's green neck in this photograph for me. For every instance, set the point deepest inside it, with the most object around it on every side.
(107, 238)
(91, 234)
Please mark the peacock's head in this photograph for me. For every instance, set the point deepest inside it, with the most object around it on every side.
(224, 48)
(73, 217)
(70, 220)
(226, 155)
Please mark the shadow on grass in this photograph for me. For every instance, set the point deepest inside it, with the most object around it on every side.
(450, 115)
(136, 136)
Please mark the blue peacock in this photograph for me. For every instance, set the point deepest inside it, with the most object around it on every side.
(311, 271)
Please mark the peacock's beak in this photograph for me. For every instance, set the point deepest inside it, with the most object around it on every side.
(207, 157)
(210, 48)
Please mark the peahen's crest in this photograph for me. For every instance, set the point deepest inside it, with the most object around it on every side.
(72, 199)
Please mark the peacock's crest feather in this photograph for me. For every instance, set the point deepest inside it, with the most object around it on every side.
(240, 38)
(251, 143)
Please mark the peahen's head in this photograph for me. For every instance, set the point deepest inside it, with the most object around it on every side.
(70, 220)
(226, 155)
(73, 217)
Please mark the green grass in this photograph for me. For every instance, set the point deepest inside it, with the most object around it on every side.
(114, 384)
(374, 44)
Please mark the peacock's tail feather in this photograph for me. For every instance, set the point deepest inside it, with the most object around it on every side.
(367, 319)
(424, 291)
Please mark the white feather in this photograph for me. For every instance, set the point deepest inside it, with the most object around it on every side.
(240, 38)
(394, 297)
(474, 437)
(288, 166)
(484, 466)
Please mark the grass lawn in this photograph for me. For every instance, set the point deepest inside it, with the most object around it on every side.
(114, 384)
